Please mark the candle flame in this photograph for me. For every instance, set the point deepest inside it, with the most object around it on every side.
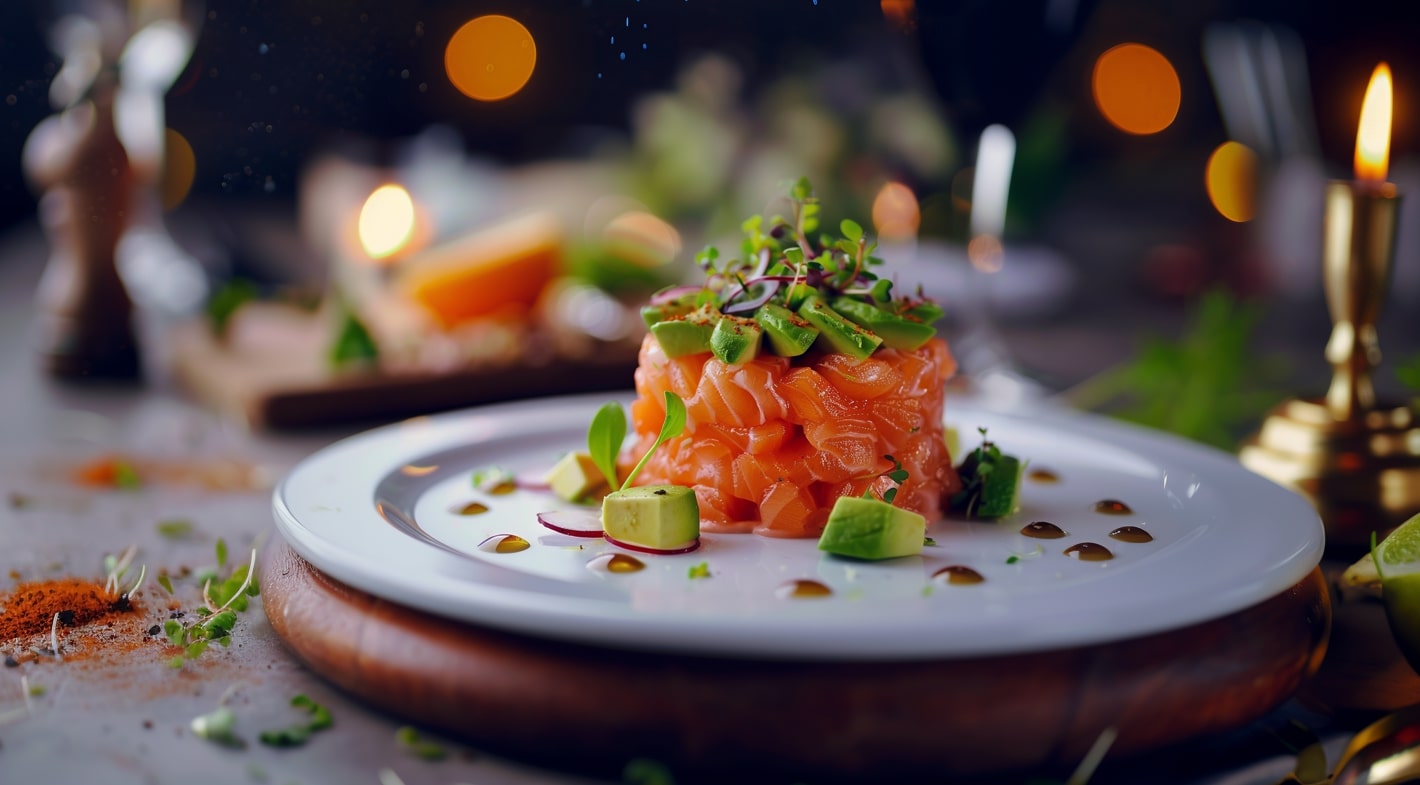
(1373, 137)
(386, 221)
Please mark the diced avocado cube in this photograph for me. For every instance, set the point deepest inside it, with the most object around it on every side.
(952, 439)
(680, 306)
(1001, 490)
(735, 339)
(897, 332)
(836, 333)
(688, 333)
(872, 529)
(653, 516)
(575, 477)
(789, 334)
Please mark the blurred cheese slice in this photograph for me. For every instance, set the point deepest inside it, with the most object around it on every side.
(498, 271)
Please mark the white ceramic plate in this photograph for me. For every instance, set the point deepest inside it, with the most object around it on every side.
(378, 511)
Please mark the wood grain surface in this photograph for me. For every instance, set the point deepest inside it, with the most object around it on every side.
(563, 704)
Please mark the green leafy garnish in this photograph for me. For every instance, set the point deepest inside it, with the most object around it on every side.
(1012, 559)
(1208, 386)
(221, 552)
(165, 582)
(983, 492)
(125, 477)
(174, 529)
(353, 342)
(410, 740)
(218, 726)
(226, 301)
(297, 734)
(897, 475)
(216, 619)
(928, 542)
(35, 690)
(671, 427)
(643, 771)
(604, 438)
(701, 570)
(493, 479)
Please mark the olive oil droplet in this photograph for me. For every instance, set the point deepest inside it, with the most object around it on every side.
(958, 574)
(1043, 476)
(1131, 534)
(1112, 507)
(472, 508)
(1089, 551)
(504, 543)
(803, 588)
(503, 488)
(617, 562)
(1043, 530)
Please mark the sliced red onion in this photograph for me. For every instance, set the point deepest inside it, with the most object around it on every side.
(666, 295)
(671, 551)
(769, 289)
(576, 523)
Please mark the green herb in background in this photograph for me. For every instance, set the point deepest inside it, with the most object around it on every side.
(1408, 372)
(225, 302)
(1207, 386)
(643, 771)
(353, 342)
(174, 529)
(701, 570)
(410, 740)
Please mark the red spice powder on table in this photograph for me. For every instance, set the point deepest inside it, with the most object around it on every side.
(29, 608)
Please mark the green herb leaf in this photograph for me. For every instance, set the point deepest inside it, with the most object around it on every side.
(643, 771)
(701, 570)
(671, 427)
(177, 634)
(409, 739)
(604, 438)
(850, 229)
(225, 302)
(1012, 559)
(353, 342)
(126, 477)
(221, 552)
(165, 582)
(217, 726)
(299, 733)
(174, 529)
(35, 690)
(929, 542)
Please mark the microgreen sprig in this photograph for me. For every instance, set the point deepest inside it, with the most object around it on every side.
(671, 427)
(604, 438)
(217, 617)
(299, 733)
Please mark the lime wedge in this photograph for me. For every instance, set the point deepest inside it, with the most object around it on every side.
(1397, 560)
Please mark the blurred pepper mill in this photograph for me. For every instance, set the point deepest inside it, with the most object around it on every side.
(86, 316)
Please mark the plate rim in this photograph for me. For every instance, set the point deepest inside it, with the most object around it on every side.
(493, 604)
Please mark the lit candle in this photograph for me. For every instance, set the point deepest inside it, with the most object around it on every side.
(1358, 248)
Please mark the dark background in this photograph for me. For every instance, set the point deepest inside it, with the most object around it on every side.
(334, 72)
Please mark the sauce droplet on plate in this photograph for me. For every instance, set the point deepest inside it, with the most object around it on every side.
(1112, 507)
(1043, 475)
(1089, 551)
(1043, 530)
(503, 488)
(504, 543)
(1131, 534)
(802, 588)
(616, 562)
(472, 508)
(959, 574)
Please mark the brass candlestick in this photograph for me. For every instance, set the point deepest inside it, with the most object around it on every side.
(1358, 461)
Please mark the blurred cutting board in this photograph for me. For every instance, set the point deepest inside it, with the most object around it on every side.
(276, 377)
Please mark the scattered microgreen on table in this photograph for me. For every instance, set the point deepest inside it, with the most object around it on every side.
(701, 570)
(297, 734)
(217, 617)
(411, 741)
(174, 529)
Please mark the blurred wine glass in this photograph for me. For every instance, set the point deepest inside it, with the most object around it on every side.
(990, 63)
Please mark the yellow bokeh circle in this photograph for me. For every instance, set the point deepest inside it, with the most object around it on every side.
(1231, 179)
(1136, 89)
(179, 168)
(490, 58)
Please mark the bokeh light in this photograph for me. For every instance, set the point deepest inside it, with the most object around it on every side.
(896, 215)
(1136, 89)
(1231, 178)
(386, 221)
(179, 168)
(490, 58)
(642, 238)
(901, 13)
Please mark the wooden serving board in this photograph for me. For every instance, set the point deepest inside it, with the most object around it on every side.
(287, 384)
(566, 704)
